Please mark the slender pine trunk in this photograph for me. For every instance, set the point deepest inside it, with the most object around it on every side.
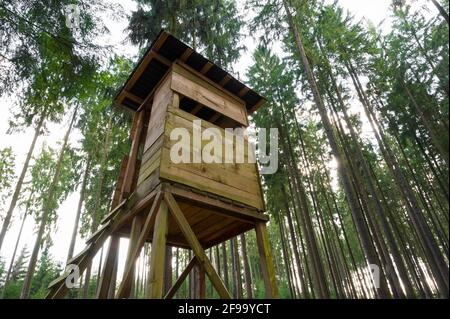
(435, 259)
(17, 190)
(13, 257)
(247, 275)
(367, 245)
(46, 210)
(80, 206)
(441, 10)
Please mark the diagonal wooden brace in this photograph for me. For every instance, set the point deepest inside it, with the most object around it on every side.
(196, 246)
(172, 291)
(108, 269)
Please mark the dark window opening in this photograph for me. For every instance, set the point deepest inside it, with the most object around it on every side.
(205, 113)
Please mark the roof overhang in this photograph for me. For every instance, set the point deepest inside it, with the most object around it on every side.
(156, 62)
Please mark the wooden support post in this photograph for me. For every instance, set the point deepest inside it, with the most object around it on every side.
(108, 270)
(131, 165)
(196, 246)
(158, 254)
(131, 259)
(265, 257)
(127, 285)
(112, 284)
(180, 279)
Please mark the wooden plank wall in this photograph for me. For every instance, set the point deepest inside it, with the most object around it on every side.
(238, 182)
(194, 87)
(151, 156)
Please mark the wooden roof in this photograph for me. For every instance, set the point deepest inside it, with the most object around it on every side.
(157, 60)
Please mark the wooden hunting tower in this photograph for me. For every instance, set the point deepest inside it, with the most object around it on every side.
(189, 205)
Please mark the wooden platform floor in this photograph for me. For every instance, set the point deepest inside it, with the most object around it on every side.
(211, 221)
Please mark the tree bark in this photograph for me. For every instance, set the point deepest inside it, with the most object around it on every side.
(13, 257)
(25, 293)
(437, 263)
(94, 213)
(225, 265)
(367, 245)
(80, 206)
(17, 190)
(442, 11)
(247, 275)
(236, 269)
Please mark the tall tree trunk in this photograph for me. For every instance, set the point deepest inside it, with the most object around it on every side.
(17, 190)
(320, 281)
(225, 265)
(441, 147)
(94, 213)
(442, 11)
(434, 257)
(294, 244)
(168, 271)
(373, 193)
(237, 269)
(247, 275)
(25, 293)
(13, 257)
(286, 257)
(80, 206)
(367, 245)
(308, 277)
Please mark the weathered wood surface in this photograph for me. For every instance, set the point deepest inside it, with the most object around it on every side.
(146, 60)
(196, 247)
(124, 215)
(107, 272)
(266, 261)
(132, 163)
(236, 181)
(162, 98)
(158, 254)
(191, 85)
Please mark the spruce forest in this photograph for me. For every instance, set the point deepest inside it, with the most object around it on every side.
(361, 110)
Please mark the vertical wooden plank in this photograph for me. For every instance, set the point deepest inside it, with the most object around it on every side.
(112, 284)
(108, 270)
(265, 257)
(118, 190)
(158, 254)
(162, 99)
(132, 161)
